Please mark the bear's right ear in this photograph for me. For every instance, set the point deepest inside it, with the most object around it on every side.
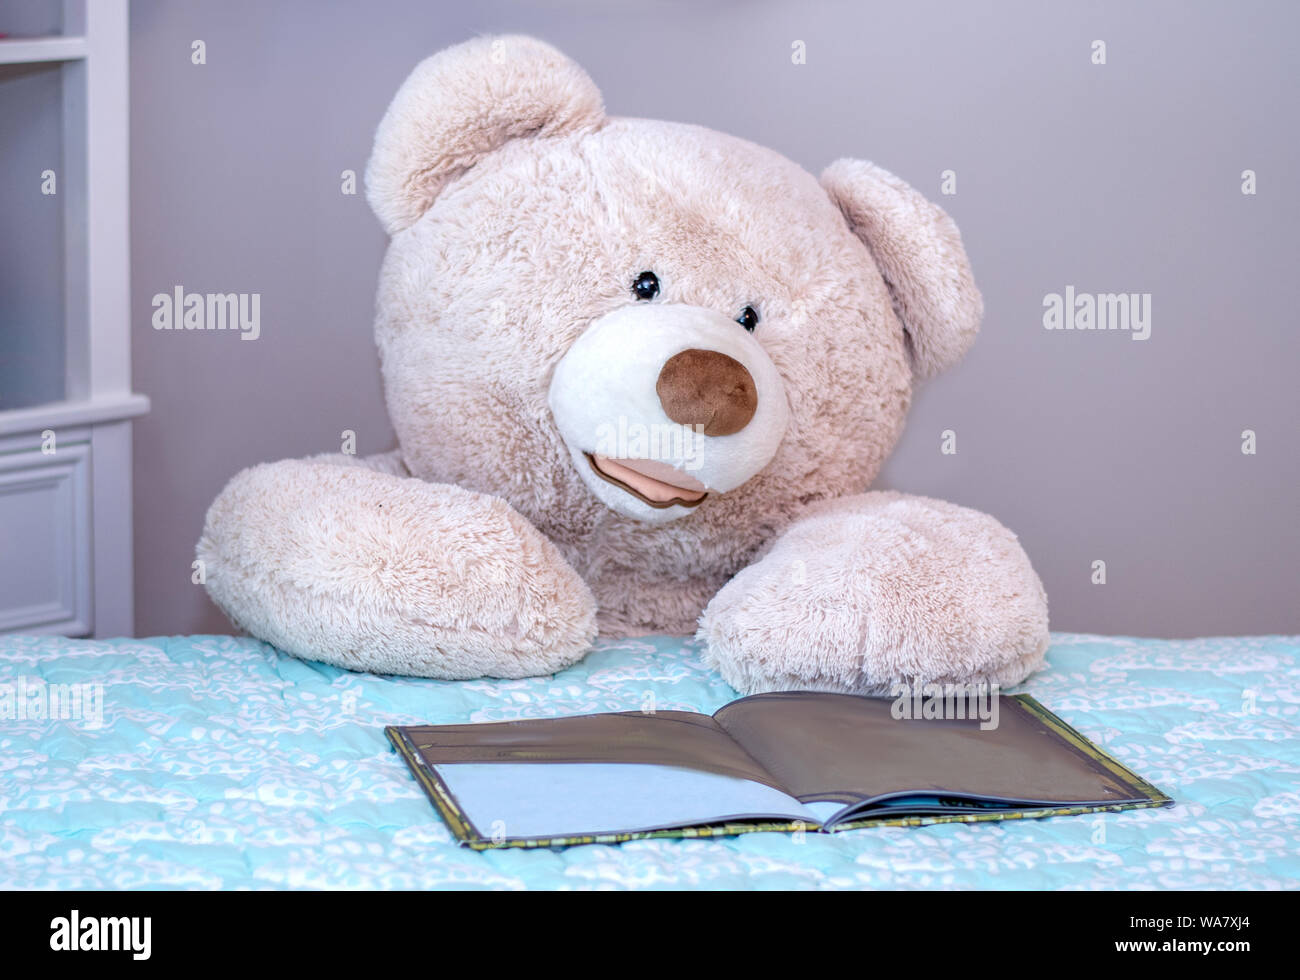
(461, 104)
(919, 253)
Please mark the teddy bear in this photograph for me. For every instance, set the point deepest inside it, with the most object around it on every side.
(642, 375)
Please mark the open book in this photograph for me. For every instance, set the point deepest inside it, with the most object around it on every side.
(788, 761)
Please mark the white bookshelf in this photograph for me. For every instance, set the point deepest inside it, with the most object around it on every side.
(65, 516)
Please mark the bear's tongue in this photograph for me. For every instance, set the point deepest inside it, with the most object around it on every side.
(650, 478)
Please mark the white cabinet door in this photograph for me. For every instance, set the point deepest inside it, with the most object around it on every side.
(45, 529)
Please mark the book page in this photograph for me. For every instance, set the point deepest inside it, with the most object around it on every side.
(598, 774)
(527, 800)
(848, 749)
(669, 738)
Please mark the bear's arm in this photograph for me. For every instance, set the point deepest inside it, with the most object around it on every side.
(354, 563)
(866, 592)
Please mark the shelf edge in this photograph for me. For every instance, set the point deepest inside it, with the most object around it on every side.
(35, 50)
(56, 415)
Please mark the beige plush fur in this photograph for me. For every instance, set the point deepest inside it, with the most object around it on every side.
(519, 216)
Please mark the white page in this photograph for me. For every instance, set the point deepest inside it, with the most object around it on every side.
(825, 810)
(565, 799)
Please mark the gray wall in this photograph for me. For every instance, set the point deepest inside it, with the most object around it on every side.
(1123, 177)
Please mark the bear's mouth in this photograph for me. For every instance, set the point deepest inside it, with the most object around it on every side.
(641, 478)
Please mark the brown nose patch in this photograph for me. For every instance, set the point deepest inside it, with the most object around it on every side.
(708, 388)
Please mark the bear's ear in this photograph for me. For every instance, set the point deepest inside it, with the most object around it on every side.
(461, 104)
(919, 253)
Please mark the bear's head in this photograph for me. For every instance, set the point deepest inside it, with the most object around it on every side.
(643, 326)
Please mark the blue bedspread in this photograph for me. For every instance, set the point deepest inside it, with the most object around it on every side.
(221, 763)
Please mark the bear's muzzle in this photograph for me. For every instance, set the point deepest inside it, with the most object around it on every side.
(663, 405)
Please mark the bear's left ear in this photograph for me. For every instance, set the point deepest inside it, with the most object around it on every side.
(919, 252)
(461, 104)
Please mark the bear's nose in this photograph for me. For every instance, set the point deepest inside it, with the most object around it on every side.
(707, 388)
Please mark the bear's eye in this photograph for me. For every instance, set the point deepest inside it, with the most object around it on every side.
(646, 285)
(748, 318)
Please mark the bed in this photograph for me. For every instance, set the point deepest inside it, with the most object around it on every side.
(218, 762)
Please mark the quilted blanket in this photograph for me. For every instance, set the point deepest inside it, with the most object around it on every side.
(218, 762)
